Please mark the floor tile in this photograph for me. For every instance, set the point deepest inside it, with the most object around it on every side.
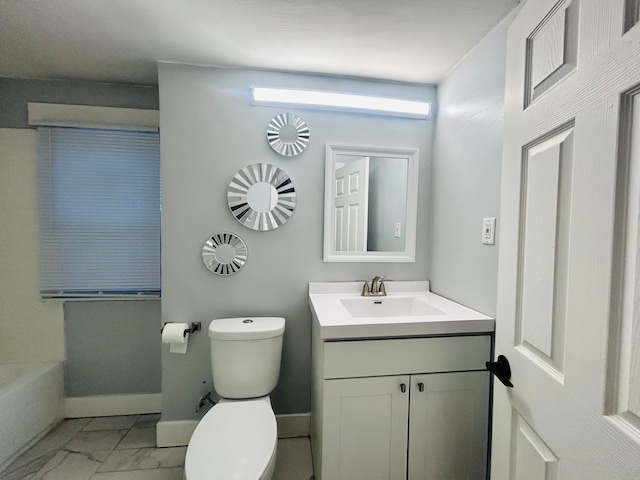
(68, 465)
(94, 441)
(293, 460)
(157, 474)
(37, 456)
(138, 438)
(123, 422)
(144, 459)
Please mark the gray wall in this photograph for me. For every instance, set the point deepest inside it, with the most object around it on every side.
(101, 337)
(466, 174)
(15, 93)
(209, 131)
(112, 347)
(387, 203)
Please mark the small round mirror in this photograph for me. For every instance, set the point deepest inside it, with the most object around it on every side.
(261, 197)
(288, 134)
(224, 253)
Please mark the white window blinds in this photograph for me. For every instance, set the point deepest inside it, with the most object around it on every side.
(99, 212)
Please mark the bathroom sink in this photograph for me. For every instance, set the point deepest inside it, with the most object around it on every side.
(388, 307)
(409, 309)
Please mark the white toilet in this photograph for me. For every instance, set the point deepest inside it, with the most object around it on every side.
(237, 438)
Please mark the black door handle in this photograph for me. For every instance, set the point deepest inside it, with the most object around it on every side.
(501, 369)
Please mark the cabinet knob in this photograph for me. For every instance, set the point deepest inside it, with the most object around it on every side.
(403, 387)
(421, 386)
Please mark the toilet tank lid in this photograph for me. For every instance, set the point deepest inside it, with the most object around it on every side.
(246, 328)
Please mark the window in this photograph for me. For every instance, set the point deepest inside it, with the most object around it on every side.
(100, 212)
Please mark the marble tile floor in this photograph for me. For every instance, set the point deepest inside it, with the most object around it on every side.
(123, 448)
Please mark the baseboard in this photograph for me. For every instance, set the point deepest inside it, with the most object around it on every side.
(108, 405)
(293, 425)
(177, 433)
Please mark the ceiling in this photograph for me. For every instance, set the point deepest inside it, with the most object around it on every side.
(121, 41)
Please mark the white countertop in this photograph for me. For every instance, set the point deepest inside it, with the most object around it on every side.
(336, 323)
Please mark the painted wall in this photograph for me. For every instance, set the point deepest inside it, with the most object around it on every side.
(122, 352)
(209, 131)
(387, 203)
(34, 329)
(466, 174)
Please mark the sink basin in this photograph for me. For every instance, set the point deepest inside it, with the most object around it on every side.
(388, 307)
(408, 310)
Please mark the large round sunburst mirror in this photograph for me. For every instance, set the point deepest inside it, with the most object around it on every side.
(224, 253)
(288, 134)
(261, 197)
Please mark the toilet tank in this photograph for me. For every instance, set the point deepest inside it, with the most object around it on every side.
(245, 355)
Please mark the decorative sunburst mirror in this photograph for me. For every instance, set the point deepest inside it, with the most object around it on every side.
(288, 134)
(261, 197)
(224, 253)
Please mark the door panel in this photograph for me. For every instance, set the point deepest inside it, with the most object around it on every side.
(533, 460)
(564, 318)
(546, 215)
(551, 49)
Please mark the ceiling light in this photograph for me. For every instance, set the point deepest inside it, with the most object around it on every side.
(332, 100)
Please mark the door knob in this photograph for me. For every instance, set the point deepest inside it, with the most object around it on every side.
(501, 369)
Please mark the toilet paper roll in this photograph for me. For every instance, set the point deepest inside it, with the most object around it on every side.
(174, 334)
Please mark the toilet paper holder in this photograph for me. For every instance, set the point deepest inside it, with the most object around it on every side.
(195, 327)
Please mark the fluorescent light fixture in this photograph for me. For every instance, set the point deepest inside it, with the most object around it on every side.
(363, 103)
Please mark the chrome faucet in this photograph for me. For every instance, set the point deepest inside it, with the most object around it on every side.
(377, 287)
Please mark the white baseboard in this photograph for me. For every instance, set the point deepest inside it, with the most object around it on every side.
(178, 433)
(293, 425)
(108, 405)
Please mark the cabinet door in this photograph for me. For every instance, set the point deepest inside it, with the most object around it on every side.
(365, 428)
(449, 426)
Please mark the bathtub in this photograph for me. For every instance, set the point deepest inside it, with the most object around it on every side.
(31, 402)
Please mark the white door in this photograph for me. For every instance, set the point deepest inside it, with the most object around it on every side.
(365, 428)
(568, 310)
(449, 426)
(351, 206)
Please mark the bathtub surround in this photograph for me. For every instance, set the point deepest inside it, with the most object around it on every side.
(30, 404)
(209, 131)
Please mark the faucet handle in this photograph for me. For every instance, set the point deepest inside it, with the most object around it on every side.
(365, 289)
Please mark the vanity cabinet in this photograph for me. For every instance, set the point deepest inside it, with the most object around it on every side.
(396, 409)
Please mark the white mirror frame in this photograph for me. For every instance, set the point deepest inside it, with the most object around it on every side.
(406, 256)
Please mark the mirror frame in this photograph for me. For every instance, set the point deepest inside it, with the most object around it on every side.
(409, 253)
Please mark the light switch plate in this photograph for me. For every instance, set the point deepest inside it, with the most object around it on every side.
(489, 231)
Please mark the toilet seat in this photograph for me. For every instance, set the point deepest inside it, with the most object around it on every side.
(235, 440)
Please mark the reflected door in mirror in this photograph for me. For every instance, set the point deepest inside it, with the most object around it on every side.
(351, 206)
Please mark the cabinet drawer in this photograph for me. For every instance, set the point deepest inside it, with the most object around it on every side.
(364, 358)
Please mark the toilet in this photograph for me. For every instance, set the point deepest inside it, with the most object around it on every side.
(237, 438)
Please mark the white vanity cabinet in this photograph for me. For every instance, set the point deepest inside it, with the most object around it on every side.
(396, 409)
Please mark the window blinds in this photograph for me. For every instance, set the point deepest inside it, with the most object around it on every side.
(99, 212)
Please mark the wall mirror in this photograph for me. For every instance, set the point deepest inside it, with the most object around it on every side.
(288, 134)
(370, 204)
(261, 197)
(224, 253)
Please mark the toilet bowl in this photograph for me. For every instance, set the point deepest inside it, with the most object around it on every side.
(235, 440)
